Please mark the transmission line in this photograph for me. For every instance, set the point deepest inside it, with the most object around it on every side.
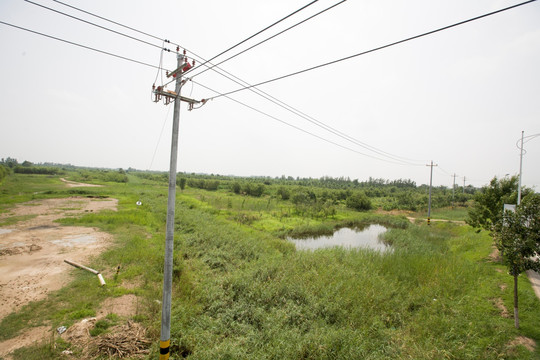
(375, 49)
(299, 128)
(267, 39)
(114, 22)
(260, 31)
(268, 97)
(316, 122)
(98, 26)
(80, 45)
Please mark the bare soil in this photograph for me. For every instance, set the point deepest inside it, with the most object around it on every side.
(528, 343)
(76, 184)
(32, 254)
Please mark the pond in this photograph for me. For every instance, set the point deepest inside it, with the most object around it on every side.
(367, 237)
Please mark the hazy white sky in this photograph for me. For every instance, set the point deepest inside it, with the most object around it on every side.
(460, 97)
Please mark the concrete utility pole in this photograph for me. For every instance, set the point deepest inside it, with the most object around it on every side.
(453, 189)
(429, 201)
(165, 338)
(169, 96)
(520, 168)
(464, 184)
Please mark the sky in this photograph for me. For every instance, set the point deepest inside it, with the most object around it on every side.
(460, 97)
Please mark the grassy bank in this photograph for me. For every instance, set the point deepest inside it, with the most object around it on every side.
(243, 292)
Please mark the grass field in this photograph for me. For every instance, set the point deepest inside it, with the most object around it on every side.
(241, 291)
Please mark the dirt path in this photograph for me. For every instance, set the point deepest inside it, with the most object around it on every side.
(76, 184)
(32, 251)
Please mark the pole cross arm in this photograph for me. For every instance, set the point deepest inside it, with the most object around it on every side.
(181, 69)
(170, 96)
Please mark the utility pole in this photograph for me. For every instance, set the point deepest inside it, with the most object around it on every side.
(464, 184)
(520, 168)
(453, 188)
(429, 201)
(168, 97)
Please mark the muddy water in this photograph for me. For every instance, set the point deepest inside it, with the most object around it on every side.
(347, 238)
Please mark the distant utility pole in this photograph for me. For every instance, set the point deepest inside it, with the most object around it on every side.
(464, 184)
(429, 201)
(168, 97)
(453, 189)
(520, 168)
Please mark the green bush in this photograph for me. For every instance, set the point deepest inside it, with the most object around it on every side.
(40, 170)
(4, 172)
(359, 202)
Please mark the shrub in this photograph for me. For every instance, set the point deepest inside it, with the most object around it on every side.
(359, 202)
(4, 172)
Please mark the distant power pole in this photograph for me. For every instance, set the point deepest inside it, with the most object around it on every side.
(453, 188)
(464, 184)
(168, 97)
(429, 201)
(520, 168)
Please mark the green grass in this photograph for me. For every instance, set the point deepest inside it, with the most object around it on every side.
(243, 292)
(447, 213)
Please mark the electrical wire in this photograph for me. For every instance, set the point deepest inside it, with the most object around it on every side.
(114, 22)
(299, 128)
(96, 25)
(267, 39)
(159, 139)
(276, 101)
(80, 45)
(375, 49)
(260, 31)
(322, 124)
(160, 65)
(444, 171)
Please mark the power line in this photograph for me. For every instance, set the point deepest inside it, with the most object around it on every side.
(298, 128)
(80, 45)
(268, 97)
(276, 101)
(114, 22)
(317, 122)
(260, 31)
(96, 25)
(375, 49)
(271, 37)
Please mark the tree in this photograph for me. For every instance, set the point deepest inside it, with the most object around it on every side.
(517, 237)
(489, 201)
(182, 183)
(284, 193)
(9, 162)
(359, 202)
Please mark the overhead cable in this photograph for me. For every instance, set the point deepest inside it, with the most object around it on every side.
(375, 49)
(261, 31)
(113, 22)
(96, 25)
(319, 123)
(299, 128)
(267, 39)
(80, 45)
(268, 97)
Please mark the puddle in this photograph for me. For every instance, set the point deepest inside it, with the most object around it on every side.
(5, 231)
(347, 238)
(75, 240)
